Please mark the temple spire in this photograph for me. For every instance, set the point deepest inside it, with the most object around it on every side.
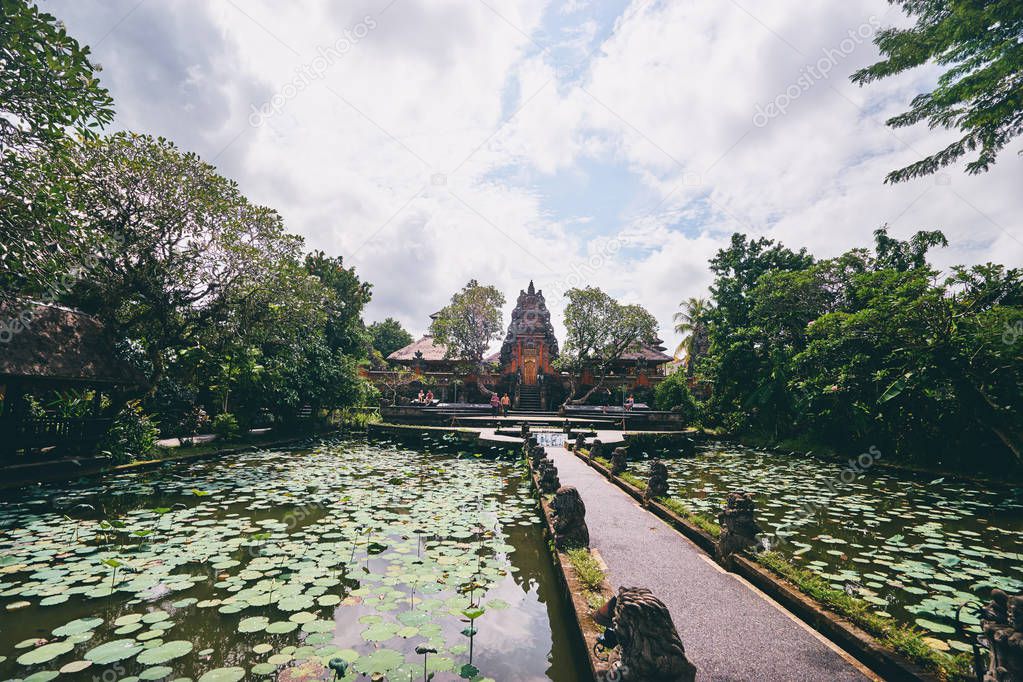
(531, 291)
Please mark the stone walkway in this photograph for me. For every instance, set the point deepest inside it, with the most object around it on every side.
(730, 630)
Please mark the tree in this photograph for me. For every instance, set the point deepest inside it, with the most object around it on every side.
(980, 42)
(469, 324)
(345, 329)
(692, 322)
(673, 394)
(49, 83)
(599, 331)
(388, 336)
(48, 88)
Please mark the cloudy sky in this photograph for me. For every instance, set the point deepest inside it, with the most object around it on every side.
(616, 143)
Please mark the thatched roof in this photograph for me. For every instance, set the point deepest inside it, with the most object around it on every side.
(651, 353)
(431, 350)
(54, 343)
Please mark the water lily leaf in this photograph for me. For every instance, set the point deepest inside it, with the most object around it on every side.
(111, 652)
(223, 675)
(45, 653)
(165, 652)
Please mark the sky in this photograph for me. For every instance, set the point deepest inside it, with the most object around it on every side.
(616, 144)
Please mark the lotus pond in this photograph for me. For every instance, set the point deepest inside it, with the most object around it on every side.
(914, 547)
(371, 559)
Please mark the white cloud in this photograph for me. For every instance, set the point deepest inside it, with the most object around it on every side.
(433, 149)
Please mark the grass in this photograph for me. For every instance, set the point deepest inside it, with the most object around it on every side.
(589, 572)
(905, 640)
(701, 521)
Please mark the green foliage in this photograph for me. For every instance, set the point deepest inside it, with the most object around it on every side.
(599, 330)
(905, 640)
(693, 323)
(50, 89)
(590, 575)
(133, 434)
(470, 322)
(388, 336)
(225, 425)
(673, 394)
(980, 45)
(871, 349)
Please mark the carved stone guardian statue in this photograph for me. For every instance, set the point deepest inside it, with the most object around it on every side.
(536, 454)
(580, 442)
(596, 449)
(1002, 623)
(657, 486)
(738, 525)
(569, 519)
(651, 649)
(619, 461)
(549, 481)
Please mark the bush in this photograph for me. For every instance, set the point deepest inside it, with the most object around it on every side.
(133, 434)
(226, 426)
(673, 394)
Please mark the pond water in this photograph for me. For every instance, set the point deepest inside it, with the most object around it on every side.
(276, 563)
(914, 547)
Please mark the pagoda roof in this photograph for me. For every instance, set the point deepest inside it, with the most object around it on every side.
(430, 349)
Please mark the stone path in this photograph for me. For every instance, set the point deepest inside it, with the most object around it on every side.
(730, 630)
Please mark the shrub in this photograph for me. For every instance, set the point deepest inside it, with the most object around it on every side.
(132, 435)
(225, 425)
(673, 394)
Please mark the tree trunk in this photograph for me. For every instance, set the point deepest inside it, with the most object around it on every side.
(582, 400)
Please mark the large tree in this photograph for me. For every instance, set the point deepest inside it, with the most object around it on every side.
(49, 97)
(469, 324)
(388, 336)
(980, 44)
(599, 331)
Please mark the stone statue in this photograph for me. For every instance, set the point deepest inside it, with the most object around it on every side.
(651, 649)
(569, 519)
(619, 461)
(596, 449)
(580, 442)
(549, 481)
(1002, 623)
(524, 430)
(738, 525)
(528, 444)
(657, 486)
(536, 454)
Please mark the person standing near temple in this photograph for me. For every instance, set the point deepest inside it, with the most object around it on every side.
(505, 404)
(495, 404)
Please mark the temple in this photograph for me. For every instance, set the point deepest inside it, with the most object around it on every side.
(523, 367)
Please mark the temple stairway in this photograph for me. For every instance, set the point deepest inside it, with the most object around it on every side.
(529, 399)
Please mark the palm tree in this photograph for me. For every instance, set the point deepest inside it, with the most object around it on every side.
(691, 322)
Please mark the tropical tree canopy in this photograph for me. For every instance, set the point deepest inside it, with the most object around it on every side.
(470, 323)
(599, 330)
(981, 45)
(388, 336)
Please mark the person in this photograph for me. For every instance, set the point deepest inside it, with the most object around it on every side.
(629, 403)
(429, 397)
(495, 404)
(419, 398)
(505, 404)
